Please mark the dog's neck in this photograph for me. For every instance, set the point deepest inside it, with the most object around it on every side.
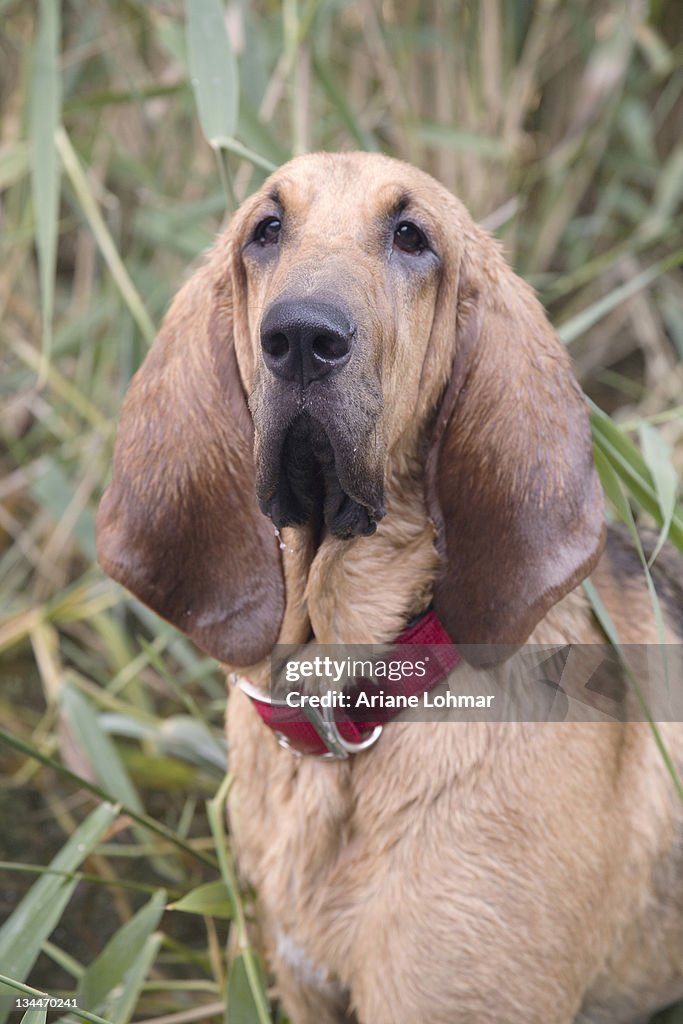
(363, 590)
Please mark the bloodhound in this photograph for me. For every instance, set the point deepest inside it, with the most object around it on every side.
(356, 412)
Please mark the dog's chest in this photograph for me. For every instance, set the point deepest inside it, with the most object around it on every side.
(441, 866)
(359, 868)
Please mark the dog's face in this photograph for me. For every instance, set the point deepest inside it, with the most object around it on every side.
(342, 259)
(350, 319)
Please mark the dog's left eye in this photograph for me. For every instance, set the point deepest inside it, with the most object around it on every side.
(409, 238)
(268, 231)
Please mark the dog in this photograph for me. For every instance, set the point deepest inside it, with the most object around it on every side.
(356, 414)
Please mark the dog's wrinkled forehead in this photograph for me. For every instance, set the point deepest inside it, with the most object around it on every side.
(349, 195)
(350, 183)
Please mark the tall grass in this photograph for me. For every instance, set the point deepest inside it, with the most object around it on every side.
(558, 123)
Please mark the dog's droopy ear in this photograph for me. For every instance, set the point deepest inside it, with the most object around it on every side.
(179, 525)
(512, 486)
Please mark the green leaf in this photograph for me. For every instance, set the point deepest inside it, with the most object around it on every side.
(108, 767)
(121, 1009)
(255, 1002)
(657, 453)
(240, 1005)
(157, 827)
(211, 899)
(182, 736)
(44, 118)
(34, 1017)
(213, 68)
(98, 747)
(120, 955)
(630, 465)
(36, 916)
(13, 987)
(612, 486)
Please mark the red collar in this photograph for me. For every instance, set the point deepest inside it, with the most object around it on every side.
(332, 734)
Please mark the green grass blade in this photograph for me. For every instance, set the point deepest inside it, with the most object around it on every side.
(98, 748)
(213, 68)
(244, 153)
(630, 465)
(144, 819)
(120, 956)
(36, 993)
(587, 318)
(608, 626)
(44, 118)
(611, 485)
(240, 1005)
(178, 736)
(109, 769)
(32, 921)
(614, 492)
(657, 455)
(34, 1017)
(121, 1009)
(254, 976)
(81, 876)
(85, 196)
(108, 766)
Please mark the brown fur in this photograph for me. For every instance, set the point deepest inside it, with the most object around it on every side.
(455, 873)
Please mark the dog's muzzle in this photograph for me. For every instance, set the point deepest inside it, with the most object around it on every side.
(308, 487)
(316, 406)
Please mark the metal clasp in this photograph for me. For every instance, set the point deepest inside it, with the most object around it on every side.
(338, 749)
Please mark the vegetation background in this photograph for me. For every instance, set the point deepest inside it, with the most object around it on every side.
(558, 122)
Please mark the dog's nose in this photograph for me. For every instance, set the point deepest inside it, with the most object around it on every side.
(304, 341)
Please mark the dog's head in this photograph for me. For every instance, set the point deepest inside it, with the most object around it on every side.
(351, 312)
(338, 283)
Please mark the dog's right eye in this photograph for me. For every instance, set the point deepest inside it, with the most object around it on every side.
(268, 231)
(408, 238)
